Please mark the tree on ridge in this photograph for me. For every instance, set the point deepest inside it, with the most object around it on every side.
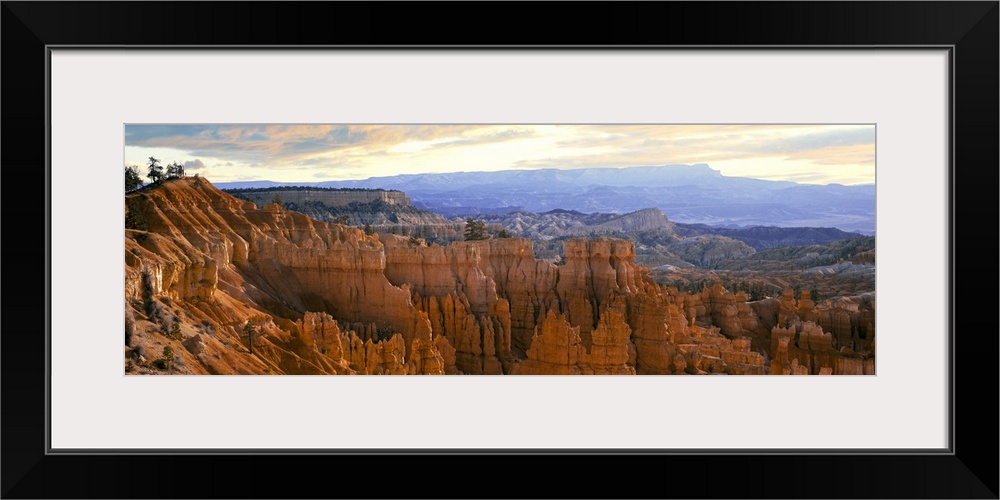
(475, 229)
(175, 170)
(155, 171)
(133, 180)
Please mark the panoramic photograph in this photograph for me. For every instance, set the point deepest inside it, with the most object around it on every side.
(488, 249)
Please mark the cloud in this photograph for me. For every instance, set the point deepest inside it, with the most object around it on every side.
(838, 155)
(241, 143)
(279, 145)
(348, 151)
(195, 164)
(818, 140)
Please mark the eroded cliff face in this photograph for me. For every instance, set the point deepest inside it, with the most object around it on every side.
(232, 288)
(557, 348)
(493, 300)
(834, 337)
(209, 259)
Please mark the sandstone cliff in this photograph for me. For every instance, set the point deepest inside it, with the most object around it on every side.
(206, 257)
(837, 336)
(217, 285)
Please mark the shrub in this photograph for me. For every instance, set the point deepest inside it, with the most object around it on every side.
(175, 330)
(165, 362)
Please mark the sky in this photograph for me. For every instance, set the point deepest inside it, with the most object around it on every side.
(809, 154)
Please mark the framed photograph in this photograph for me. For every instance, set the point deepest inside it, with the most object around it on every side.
(901, 97)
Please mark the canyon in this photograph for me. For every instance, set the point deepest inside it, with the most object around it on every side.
(378, 210)
(220, 285)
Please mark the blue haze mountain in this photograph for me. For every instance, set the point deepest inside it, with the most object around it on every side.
(695, 194)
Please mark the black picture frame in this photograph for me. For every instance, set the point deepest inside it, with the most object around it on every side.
(969, 28)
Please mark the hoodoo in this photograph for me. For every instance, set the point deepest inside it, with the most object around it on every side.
(221, 285)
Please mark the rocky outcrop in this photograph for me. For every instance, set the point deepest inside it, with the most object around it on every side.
(836, 336)
(226, 261)
(318, 338)
(447, 355)
(707, 350)
(386, 357)
(569, 223)
(721, 306)
(705, 250)
(783, 364)
(489, 297)
(498, 279)
(595, 271)
(194, 344)
(648, 219)
(745, 315)
(649, 315)
(611, 350)
(557, 348)
(851, 321)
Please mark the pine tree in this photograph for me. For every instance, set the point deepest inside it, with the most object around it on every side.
(250, 331)
(166, 361)
(175, 170)
(474, 229)
(133, 180)
(155, 171)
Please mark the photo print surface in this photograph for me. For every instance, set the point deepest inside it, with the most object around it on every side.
(499, 249)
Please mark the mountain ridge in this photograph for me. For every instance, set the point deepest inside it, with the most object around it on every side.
(686, 193)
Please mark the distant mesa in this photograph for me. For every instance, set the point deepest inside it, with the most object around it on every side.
(328, 196)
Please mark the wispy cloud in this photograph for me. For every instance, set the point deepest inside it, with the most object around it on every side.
(805, 153)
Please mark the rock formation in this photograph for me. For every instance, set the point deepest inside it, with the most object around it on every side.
(557, 348)
(233, 288)
(835, 337)
(225, 260)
